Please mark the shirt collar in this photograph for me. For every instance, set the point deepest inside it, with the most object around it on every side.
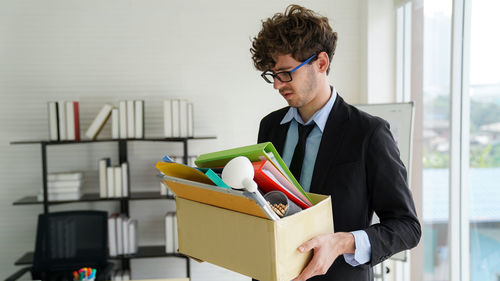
(320, 117)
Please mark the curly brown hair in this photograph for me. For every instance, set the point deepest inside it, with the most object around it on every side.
(299, 32)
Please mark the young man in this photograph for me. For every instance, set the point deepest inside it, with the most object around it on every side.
(333, 148)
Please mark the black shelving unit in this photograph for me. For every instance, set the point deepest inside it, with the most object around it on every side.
(143, 251)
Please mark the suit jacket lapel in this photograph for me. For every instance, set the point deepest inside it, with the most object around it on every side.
(330, 143)
(280, 137)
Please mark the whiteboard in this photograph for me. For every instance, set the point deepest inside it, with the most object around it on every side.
(400, 118)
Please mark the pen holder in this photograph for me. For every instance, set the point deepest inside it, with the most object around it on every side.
(281, 204)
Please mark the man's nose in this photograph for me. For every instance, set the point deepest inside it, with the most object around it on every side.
(278, 84)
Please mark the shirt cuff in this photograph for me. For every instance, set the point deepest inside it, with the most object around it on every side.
(363, 249)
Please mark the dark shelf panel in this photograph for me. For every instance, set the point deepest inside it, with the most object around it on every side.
(47, 142)
(92, 197)
(142, 252)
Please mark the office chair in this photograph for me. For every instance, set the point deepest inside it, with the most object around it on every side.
(68, 241)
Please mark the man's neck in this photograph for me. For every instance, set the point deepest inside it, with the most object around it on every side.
(320, 99)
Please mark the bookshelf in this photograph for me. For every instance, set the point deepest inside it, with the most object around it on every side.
(145, 251)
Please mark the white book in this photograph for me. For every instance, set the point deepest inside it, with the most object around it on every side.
(163, 189)
(70, 121)
(123, 119)
(169, 237)
(124, 179)
(53, 121)
(64, 184)
(119, 234)
(167, 118)
(115, 124)
(183, 118)
(66, 176)
(139, 119)
(190, 119)
(103, 177)
(60, 196)
(132, 236)
(117, 276)
(99, 121)
(174, 231)
(61, 190)
(112, 235)
(118, 181)
(130, 119)
(63, 135)
(126, 275)
(125, 229)
(111, 181)
(175, 119)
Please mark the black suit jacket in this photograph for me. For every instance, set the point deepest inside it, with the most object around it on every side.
(358, 164)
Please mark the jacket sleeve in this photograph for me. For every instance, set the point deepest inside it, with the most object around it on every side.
(391, 199)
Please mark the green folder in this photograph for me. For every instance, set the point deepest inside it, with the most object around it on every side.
(256, 152)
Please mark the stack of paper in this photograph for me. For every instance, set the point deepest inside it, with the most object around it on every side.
(63, 186)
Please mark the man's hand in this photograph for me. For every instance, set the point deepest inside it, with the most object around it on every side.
(327, 247)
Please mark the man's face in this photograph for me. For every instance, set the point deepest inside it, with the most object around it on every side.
(302, 89)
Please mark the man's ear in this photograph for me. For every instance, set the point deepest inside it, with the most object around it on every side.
(323, 62)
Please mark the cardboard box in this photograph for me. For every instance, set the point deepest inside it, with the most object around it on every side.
(248, 244)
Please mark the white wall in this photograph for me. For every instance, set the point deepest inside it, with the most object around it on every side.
(98, 51)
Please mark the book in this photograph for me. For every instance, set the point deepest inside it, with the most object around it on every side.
(110, 187)
(175, 233)
(61, 190)
(54, 185)
(118, 181)
(255, 152)
(67, 196)
(130, 119)
(99, 121)
(133, 236)
(183, 118)
(124, 179)
(126, 238)
(112, 239)
(139, 119)
(65, 176)
(63, 135)
(176, 132)
(123, 119)
(169, 232)
(167, 118)
(72, 120)
(209, 173)
(115, 123)
(53, 121)
(103, 177)
(119, 233)
(268, 178)
(190, 120)
(76, 119)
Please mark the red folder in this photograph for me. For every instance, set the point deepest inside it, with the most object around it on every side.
(268, 178)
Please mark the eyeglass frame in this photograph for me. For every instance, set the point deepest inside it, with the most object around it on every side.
(275, 75)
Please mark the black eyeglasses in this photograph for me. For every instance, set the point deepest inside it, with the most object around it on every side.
(283, 76)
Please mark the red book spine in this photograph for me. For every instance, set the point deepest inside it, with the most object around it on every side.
(76, 113)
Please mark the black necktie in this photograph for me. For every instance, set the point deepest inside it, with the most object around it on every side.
(300, 149)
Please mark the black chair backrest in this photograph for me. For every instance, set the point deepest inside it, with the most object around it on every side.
(71, 240)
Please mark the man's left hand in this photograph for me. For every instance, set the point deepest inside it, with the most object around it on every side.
(327, 247)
